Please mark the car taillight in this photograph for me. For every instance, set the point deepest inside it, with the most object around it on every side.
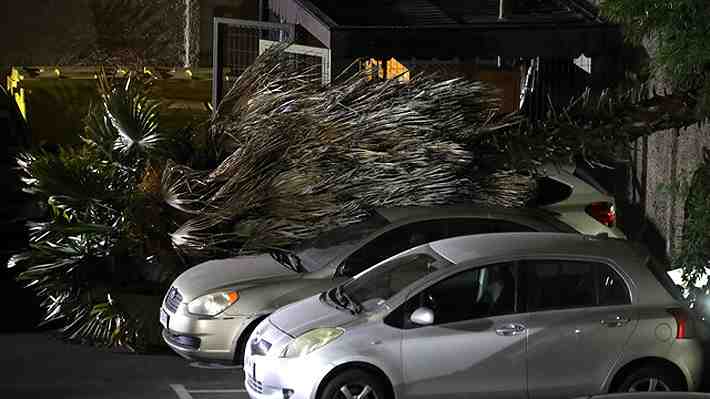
(683, 324)
(603, 212)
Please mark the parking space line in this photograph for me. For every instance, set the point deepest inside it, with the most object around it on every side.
(216, 391)
(180, 391)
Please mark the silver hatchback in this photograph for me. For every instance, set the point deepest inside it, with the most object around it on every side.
(512, 315)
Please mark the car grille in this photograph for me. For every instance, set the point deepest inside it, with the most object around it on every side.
(173, 299)
(255, 385)
(185, 341)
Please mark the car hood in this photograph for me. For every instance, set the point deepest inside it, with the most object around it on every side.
(242, 271)
(310, 313)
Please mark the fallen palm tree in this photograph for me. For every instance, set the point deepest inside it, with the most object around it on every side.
(300, 158)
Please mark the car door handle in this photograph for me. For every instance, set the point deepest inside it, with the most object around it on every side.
(617, 321)
(510, 329)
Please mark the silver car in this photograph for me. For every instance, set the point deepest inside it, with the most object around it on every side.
(513, 315)
(212, 308)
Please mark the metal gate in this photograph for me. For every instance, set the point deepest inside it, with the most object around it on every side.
(305, 56)
(235, 46)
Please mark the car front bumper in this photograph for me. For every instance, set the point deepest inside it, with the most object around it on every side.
(278, 378)
(203, 339)
(268, 376)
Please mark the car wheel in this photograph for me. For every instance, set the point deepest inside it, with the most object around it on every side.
(354, 384)
(651, 379)
(244, 339)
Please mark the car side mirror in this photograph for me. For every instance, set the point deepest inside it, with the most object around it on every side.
(422, 316)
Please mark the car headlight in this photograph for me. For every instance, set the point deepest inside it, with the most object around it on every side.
(310, 341)
(212, 304)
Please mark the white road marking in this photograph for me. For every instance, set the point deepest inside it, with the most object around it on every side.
(180, 391)
(217, 390)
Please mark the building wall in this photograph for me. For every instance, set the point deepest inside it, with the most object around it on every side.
(43, 32)
(663, 163)
(61, 32)
(239, 9)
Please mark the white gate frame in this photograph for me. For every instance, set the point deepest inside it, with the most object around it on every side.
(298, 49)
(218, 41)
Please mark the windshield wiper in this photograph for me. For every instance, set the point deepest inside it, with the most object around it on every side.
(347, 301)
(289, 260)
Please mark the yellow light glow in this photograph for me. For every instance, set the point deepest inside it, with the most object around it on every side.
(57, 72)
(395, 69)
(13, 86)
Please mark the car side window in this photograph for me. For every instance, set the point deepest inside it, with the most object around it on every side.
(393, 242)
(473, 294)
(409, 236)
(612, 288)
(563, 284)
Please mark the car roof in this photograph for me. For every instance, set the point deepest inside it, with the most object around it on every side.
(397, 214)
(465, 248)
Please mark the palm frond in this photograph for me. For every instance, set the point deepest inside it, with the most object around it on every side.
(125, 124)
(303, 158)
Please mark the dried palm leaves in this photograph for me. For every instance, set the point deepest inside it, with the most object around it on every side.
(301, 158)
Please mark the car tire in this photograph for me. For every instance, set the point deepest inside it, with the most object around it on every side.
(354, 381)
(651, 378)
(242, 343)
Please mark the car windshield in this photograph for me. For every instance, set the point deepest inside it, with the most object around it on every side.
(318, 252)
(375, 286)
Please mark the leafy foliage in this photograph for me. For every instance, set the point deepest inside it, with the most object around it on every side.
(680, 29)
(694, 255)
(126, 126)
(106, 237)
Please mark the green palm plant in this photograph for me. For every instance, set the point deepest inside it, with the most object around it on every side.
(95, 253)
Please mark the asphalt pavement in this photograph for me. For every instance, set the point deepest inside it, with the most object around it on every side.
(40, 366)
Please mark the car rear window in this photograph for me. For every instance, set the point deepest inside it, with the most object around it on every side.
(593, 178)
(659, 270)
(550, 191)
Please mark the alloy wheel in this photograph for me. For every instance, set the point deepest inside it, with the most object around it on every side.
(354, 391)
(649, 384)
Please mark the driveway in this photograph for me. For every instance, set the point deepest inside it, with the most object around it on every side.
(40, 366)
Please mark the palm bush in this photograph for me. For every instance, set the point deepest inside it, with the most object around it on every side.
(106, 238)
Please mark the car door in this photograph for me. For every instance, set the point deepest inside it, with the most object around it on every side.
(580, 320)
(476, 346)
